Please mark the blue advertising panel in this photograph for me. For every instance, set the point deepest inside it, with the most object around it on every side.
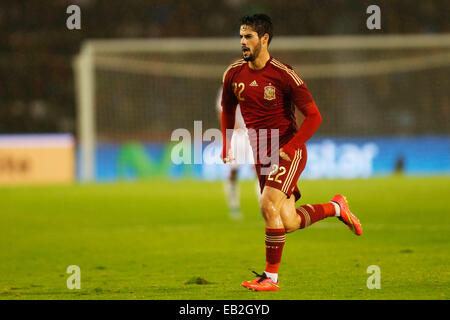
(327, 158)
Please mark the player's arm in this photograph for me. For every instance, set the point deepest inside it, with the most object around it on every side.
(304, 102)
(229, 103)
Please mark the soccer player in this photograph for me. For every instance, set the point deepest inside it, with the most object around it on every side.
(240, 146)
(267, 91)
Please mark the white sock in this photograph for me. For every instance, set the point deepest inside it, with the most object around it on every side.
(273, 276)
(337, 209)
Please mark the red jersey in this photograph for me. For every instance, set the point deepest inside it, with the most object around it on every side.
(267, 97)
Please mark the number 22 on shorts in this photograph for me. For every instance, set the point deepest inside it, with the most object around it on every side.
(280, 173)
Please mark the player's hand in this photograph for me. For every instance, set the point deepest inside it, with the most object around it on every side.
(229, 157)
(284, 155)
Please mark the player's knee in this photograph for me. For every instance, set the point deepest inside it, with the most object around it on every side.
(268, 209)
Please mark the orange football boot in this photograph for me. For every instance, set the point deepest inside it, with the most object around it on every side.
(262, 283)
(346, 216)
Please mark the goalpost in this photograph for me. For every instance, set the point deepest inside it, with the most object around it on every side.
(143, 89)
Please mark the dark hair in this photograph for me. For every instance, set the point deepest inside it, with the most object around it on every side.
(260, 23)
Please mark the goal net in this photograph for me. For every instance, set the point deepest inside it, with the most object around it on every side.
(142, 90)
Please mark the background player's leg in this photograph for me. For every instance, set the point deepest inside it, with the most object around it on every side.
(231, 186)
(271, 202)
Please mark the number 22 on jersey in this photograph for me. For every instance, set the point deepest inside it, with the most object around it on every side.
(238, 89)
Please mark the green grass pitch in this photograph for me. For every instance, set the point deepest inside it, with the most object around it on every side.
(149, 240)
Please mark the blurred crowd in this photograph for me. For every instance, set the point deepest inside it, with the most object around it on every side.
(37, 91)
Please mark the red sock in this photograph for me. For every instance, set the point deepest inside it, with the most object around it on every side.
(275, 239)
(313, 213)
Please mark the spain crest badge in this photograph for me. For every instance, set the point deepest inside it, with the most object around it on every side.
(269, 92)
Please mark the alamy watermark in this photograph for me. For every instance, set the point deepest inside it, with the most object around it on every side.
(190, 148)
(374, 20)
(74, 281)
(374, 281)
(74, 20)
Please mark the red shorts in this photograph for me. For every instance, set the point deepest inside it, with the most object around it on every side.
(284, 175)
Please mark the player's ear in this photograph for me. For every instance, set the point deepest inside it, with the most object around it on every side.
(265, 38)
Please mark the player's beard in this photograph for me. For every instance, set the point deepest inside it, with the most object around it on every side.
(252, 56)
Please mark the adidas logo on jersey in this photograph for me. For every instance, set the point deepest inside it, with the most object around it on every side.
(253, 84)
